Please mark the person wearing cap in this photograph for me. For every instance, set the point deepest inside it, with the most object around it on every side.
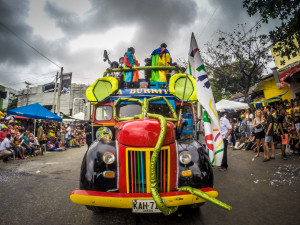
(3, 133)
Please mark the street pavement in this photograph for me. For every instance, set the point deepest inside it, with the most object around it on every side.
(37, 190)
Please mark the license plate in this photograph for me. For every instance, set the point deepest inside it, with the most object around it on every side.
(144, 206)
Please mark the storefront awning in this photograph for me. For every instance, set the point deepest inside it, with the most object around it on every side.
(289, 72)
(270, 99)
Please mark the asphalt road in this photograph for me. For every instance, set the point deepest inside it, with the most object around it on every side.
(36, 191)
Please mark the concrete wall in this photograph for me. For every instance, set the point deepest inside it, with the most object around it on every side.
(36, 95)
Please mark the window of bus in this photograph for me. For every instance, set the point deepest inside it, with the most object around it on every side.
(162, 109)
(185, 109)
(104, 112)
(129, 110)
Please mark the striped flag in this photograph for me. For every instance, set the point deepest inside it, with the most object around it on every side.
(213, 137)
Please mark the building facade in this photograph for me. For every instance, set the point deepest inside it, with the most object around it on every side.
(11, 98)
(288, 74)
(69, 104)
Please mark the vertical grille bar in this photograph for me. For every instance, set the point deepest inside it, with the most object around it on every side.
(161, 174)
(164, 170)
(138, 171)
(131, 167)
(142, 171)
(138, 166)
(135, 188)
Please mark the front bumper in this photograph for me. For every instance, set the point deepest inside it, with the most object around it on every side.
(124, 200)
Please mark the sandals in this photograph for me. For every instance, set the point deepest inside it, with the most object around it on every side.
(257, 155)
(266, 160)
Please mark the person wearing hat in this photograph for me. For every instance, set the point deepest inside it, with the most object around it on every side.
(3, 133)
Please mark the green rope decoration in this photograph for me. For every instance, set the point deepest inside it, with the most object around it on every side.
(154, 158)
(201, 194)
(142, 68)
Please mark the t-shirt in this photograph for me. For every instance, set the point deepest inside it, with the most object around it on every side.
(225, 126)
(249, 119)
(56, 145)
(2, 135)
(270, 120)
(280, 121)
(5, 144)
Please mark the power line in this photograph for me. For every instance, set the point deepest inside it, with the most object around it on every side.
(208, 22)
(28, 44)
(28, 79)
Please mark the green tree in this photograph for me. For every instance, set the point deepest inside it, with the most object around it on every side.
(288, 12)
(238, 60)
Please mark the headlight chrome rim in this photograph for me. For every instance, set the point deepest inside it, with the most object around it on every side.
(185, 157)
(108, 158)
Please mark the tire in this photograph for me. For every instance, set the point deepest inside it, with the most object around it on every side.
(96, 209)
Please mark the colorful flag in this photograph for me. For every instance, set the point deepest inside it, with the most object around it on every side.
(66, 84)
(213, 137)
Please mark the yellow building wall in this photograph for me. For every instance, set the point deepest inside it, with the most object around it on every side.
(270, 90)
(288, 61)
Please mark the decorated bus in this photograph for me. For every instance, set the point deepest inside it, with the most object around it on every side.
(145, 155)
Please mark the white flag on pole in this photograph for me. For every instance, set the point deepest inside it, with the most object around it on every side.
(213, 137)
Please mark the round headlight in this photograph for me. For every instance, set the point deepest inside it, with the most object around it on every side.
(185, 157)
(108, 158)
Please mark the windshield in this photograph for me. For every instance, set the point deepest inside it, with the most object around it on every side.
(129, 110)
(104, 112)
(162, 109)
(185, 109)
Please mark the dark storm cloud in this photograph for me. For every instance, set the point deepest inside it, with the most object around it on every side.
(231, 13)
(155, 18)
(13, 14)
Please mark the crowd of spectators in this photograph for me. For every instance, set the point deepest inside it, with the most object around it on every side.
(277, 123)
(19, 139)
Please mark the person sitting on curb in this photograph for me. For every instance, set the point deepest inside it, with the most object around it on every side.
(250, 142)
(5, 148)
(239, 144)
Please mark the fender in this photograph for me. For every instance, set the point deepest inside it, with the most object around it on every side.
(202, 174)
(92, 168)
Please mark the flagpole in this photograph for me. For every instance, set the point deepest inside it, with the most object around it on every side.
(181, 106)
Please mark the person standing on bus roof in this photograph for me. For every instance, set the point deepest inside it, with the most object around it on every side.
(160, 57)
(129, 62)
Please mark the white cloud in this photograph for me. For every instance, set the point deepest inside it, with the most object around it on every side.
(108, 40)
(41, 22)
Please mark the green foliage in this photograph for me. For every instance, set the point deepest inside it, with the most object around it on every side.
(237, 61)
(288, 12)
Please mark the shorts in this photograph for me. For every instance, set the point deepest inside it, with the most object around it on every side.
(269, 139)
(259, 135)
(284, 141)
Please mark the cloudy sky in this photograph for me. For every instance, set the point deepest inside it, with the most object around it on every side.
(74, 33)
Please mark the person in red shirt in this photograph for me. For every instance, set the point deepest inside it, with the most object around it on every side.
(3, 133)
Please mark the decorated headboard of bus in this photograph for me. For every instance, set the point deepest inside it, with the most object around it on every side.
(178, 82)
(108, 86)
(101, 89)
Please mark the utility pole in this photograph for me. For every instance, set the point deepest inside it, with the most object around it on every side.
(54, 95)
(59, 91)
(27, 96)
